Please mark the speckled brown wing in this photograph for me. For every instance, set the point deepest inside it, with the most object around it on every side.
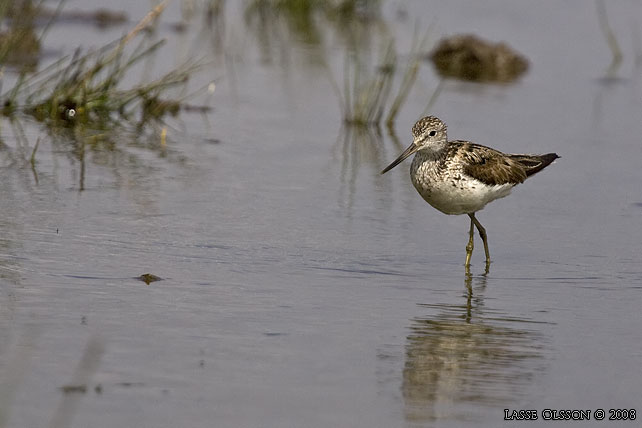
(487, 165)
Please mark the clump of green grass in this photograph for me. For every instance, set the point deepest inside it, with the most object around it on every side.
(364, 103)
(85, 88)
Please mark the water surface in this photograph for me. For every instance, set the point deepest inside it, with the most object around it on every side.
(302, 288)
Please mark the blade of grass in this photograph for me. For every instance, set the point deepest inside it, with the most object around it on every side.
(409, 77)
(611, 40)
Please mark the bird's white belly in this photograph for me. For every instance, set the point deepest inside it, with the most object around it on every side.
(456, 193)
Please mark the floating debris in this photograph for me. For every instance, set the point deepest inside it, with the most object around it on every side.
(102, 18)
(130, 384)
(148, 278)
(468, 57)
(74, 389)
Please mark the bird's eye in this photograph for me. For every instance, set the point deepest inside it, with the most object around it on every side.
(432, 133)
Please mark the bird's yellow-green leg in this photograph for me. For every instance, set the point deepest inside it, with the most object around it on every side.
(470, 246)
(484, 237)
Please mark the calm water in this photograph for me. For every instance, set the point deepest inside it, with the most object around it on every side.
(303, 289)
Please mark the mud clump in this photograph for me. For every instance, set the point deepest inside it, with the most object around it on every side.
(467, 57)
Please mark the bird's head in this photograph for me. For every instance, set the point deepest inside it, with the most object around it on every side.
(428, 133)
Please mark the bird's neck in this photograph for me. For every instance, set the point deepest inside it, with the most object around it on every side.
(433, 152)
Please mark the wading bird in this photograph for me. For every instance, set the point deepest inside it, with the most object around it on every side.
(461, 177)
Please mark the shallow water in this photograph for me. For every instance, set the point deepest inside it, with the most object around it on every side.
(302, 288)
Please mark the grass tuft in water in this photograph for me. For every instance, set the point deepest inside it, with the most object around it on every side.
(86, 87)
(363, 104)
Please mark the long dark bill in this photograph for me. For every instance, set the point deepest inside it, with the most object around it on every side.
(409, 151)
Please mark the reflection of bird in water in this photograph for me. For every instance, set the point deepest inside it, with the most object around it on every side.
(460, 177)
(467, 356)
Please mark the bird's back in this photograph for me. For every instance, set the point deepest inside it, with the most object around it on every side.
(466, 176)
(493, 167)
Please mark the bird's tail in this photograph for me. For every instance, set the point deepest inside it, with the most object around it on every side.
(534, 163)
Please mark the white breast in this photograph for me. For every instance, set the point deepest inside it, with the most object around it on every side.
(449, 190)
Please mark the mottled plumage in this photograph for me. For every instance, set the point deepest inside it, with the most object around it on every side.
(460, 177)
